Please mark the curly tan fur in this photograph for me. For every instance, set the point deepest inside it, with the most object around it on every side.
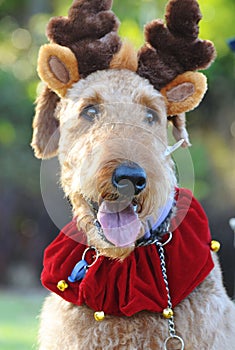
(88, 153)
(110, 117)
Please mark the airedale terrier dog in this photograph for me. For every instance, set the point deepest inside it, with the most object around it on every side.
(136, 267)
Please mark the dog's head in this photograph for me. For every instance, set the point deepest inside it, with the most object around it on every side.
(104, 111)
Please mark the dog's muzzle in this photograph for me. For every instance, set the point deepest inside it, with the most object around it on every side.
(118, 219)
(129, 179)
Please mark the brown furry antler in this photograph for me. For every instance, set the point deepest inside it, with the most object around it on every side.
(174, 48)
(90, 31)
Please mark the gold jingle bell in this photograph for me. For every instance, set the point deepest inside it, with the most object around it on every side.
(99, 316)
(215, 246)
(168, 313)
(62, 285)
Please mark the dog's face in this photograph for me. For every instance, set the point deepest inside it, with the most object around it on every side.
(112, 151)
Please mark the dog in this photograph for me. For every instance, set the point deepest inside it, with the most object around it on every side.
(136, 267)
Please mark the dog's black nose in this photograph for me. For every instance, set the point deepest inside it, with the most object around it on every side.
(129, 179)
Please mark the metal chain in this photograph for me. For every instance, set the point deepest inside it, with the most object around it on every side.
(171, 322)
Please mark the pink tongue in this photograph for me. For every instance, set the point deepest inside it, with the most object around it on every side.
(119, 222)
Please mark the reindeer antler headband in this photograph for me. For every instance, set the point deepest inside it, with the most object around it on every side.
(87, 41)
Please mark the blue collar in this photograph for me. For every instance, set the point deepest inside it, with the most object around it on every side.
(163, 214)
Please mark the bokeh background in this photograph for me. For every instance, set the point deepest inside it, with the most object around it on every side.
(25, 227)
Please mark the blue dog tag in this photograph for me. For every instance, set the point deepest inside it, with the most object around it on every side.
(79, 271)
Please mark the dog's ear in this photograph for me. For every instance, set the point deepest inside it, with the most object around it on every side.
(58, 68)
(46, 125)
(184, 93)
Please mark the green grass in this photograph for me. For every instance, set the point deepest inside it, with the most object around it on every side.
(19, 320)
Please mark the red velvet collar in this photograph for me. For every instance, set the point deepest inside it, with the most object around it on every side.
(136, 284)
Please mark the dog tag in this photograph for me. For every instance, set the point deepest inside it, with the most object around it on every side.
(180, 341)
(79, 271)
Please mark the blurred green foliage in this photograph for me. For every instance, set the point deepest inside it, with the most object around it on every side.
(19, 320)
(211, 126)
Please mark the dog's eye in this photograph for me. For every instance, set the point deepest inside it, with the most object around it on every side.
(90, 113)
(151, 116)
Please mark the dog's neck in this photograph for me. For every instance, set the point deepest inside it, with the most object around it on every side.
(161, 226)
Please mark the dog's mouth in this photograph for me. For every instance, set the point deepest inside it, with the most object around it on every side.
(118, 221)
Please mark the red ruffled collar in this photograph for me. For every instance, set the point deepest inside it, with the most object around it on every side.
(136, 284)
